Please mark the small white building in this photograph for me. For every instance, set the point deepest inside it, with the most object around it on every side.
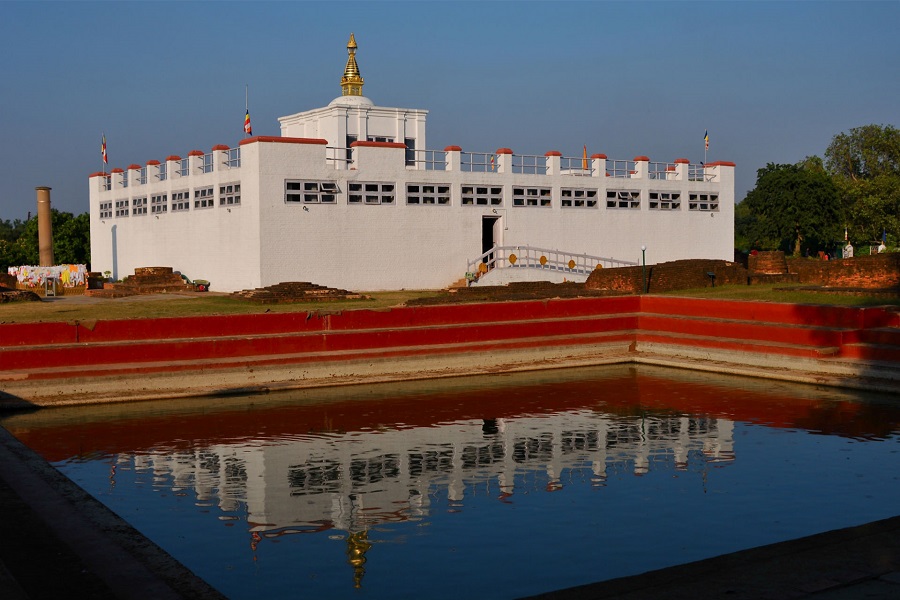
(349, 196)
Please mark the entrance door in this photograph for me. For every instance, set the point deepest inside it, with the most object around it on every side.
(489, 239)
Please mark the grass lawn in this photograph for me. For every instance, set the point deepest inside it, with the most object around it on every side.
(177, 305)
(791, 294)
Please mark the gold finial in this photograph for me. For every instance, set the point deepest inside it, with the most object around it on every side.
(352, 82)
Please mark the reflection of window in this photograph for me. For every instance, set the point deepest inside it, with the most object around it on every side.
(482, 195)
(365, 192)
(311, 192)
(578, 198)
(665, 201)
(531, 196)
(426, 193)
(159, 203)
(703, 201)
(139, 206)
(121, 208)
(229, 194)
(623, 199)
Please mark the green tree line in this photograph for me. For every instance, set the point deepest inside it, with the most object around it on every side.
(71, 240)
(808, 206)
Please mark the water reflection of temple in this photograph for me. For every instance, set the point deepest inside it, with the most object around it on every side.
(355, 480)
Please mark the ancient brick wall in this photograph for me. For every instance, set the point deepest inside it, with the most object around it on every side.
(878, 271)
(665, 277)
(768, 263)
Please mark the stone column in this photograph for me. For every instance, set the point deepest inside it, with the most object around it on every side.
(45, 227)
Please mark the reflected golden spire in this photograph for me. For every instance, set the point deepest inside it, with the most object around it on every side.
(357, 545)
(352, 82)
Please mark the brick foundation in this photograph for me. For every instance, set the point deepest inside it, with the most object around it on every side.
(665, 277)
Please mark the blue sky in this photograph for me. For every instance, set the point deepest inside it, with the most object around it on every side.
(771, 81)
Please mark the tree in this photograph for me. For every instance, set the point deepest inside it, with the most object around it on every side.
(864, 153)
(71, 241)
(865, 164)
(792, 208)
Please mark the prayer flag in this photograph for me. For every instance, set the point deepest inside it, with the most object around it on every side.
(247, 128)
(584, 162)
(103, 150)
(706, 138)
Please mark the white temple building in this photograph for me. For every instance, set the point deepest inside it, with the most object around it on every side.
(349, 196)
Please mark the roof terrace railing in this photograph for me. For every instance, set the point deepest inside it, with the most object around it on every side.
(453, 158)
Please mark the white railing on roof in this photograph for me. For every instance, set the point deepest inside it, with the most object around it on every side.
(184, 167)
(163, 171)
(578, 166)
(661, 170)
(529, 164)
(698, 173)
(623, 169)
(429, 160)
(340, 158)
(233, 158)
(530, 257)
(206, 166)
(479, 162)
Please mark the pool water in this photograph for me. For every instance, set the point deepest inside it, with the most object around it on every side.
(484, 487)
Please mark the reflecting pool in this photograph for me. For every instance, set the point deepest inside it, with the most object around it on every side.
(485, 487)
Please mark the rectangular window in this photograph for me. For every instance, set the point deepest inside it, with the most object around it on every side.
(623, 199)
(482, 195)
(106, 210)
(229, 194)
(664, 201)
(181, 201)
(203, 197)
(531, 197)
(159, 203)
(121, 208)
(379, 138)
(704, 202)
(578, 198)
(428, 193)
(311, 192)
(139, 206)
(370, 193)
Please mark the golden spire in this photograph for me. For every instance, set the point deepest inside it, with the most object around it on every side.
(352, 82)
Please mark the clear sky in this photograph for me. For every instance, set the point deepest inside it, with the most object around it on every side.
(770, 81)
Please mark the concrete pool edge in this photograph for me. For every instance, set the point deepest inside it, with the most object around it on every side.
(863, 561)
(261, 379)
(110, 550)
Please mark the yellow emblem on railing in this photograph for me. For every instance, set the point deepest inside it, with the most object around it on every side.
(571, 264)
(512, 259)
(543, 260)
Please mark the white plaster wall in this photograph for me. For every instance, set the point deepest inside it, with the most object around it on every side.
(357, 116)
(220, 243)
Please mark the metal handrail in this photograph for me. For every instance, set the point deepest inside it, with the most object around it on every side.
(531, 257)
